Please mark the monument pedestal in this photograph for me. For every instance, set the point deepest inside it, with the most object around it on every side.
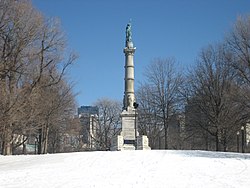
(142, 143)
(127, 138)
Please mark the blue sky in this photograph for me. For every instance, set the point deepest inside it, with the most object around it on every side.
(95, 29)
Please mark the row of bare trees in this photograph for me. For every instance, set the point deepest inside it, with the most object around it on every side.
(202, 108)
(205, 107)
(35, 97)
(215, 106)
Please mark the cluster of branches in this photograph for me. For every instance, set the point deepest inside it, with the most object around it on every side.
(159, 99)
(95, 131)
(205, 108)
(109, 122)
(35, 98)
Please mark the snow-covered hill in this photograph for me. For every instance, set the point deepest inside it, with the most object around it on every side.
(127, 169)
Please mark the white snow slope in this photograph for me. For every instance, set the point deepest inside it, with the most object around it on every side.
(127, 169)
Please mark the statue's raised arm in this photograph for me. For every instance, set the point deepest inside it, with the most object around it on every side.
(128, 33)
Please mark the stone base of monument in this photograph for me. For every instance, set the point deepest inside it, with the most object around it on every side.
(126, 138)
(142, 143)
(119, 144)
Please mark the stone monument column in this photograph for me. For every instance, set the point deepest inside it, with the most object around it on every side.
(129, 94)
(129, 50)
(128, 138)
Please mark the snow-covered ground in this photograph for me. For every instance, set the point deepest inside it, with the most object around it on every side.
(127, 169)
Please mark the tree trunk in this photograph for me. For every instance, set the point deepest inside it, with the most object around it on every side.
(166, 131)
(7, 148)
(24, 149)
(166, 136)
(43, 140)
(39, 146)
(45, 135)
(217, 141)
(206, 140)
(159, 141)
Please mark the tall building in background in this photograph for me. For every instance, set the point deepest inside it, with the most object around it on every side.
(87, 110)
(88, 116)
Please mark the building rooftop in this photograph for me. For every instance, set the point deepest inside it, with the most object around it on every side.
(91, 110)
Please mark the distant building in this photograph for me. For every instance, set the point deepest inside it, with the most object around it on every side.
(88, 116)
(93, 110)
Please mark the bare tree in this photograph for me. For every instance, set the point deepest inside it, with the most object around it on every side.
(17, 36)
(148, 121)
(163, 83)
(238, 41)
(109, 121)
(73, 136)
(32, 50)
(55, 108)
(62, 126)
(213, 110)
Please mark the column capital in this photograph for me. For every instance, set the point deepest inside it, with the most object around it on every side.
(129, 51)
